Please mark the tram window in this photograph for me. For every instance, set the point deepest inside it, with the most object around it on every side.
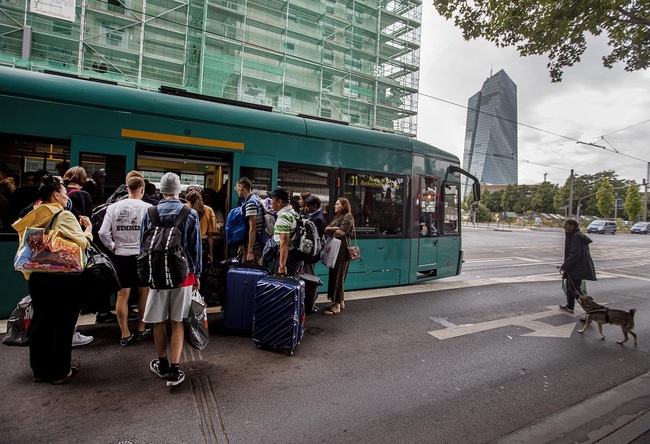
(261, 178)
(428, 204)
(377, 203)
(451, 209)
(299, 179)
(106, 172)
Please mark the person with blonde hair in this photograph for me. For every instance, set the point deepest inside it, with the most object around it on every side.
(120, 233)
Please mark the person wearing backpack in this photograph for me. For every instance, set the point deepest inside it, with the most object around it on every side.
(251, 249)
(314, 214)
(171, 304)
(284, 231)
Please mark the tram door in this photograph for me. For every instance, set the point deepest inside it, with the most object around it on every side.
(428, 228)
(449, 241)
(106, 161)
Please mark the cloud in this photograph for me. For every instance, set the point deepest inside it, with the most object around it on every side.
(590, 102)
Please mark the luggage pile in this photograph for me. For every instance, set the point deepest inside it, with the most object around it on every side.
(269, 308)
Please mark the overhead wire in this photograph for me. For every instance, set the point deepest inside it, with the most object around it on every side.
(573, 139)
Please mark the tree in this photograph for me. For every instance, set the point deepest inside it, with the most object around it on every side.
(483, 214)
(510, 199)
(543, 198)
(605, 198)
(633, 203)
(492, 200)
(558, 29)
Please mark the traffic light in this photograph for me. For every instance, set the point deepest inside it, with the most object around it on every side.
(474, 206)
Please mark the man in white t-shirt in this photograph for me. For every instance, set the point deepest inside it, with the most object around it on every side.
(120, 232)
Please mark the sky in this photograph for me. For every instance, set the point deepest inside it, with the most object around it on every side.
(591, 102)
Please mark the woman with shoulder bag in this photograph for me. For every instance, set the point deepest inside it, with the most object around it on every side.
(340, 227)
(56, 298)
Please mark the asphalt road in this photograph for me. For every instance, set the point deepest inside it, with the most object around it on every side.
(470, 359)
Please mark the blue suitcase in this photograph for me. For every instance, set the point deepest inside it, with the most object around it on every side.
(241, 282)
(279, 313)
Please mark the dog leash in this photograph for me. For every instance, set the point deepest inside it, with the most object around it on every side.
(576, 292)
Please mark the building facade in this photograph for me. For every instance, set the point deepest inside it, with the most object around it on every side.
(490, 151)
(350, 60)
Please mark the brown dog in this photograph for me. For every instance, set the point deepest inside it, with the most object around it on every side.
(604, 315)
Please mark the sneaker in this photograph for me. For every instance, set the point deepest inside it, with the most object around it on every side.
(174, 379)
(567, 309)
(125, 342)
(105, 317)
(146, 334)
(78, 339)
(154, 366)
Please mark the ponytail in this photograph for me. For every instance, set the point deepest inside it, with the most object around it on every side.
(49, 185)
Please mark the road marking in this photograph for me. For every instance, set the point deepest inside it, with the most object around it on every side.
(608, 274)
(529, 321)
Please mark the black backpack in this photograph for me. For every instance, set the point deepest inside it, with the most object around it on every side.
(162, 263)
(307, 241)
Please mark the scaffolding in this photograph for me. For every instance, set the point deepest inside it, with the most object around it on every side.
(351, 60)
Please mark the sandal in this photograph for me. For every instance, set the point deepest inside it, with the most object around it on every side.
(73, 372)
(331, 311)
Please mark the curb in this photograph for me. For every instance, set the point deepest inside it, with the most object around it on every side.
(619, 415)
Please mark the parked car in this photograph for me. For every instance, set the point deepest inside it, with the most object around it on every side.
(602, 227)
(640, 228)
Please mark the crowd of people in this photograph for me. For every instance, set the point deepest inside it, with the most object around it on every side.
(58, 298)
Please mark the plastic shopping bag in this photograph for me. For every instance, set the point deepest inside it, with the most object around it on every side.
(197, 334)
(330, 251)
(18, 324)
(41, 250)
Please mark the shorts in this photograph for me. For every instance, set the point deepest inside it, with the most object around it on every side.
(171, 304)
(127, 271)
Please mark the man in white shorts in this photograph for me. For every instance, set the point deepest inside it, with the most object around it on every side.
(174, 304)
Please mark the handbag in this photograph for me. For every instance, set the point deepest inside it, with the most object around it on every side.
(197, 333)
(100, 270)
(210, 285)
(18, 324)
(48, 251)
(330, 251)
(353, 250)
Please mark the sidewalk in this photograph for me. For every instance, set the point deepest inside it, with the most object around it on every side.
(620, 415)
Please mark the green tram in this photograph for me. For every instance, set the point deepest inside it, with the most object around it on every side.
(405, 194)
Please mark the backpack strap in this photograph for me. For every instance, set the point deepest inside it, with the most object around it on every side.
(154, 216)
(182, 215)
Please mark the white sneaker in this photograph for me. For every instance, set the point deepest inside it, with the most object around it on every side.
(79, 339)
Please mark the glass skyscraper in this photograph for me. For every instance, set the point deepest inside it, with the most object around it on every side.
(491, 132)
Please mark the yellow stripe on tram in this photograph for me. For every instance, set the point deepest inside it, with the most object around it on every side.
(185, 140)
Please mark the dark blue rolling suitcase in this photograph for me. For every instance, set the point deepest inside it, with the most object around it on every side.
(241, 282)
(279, 313)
